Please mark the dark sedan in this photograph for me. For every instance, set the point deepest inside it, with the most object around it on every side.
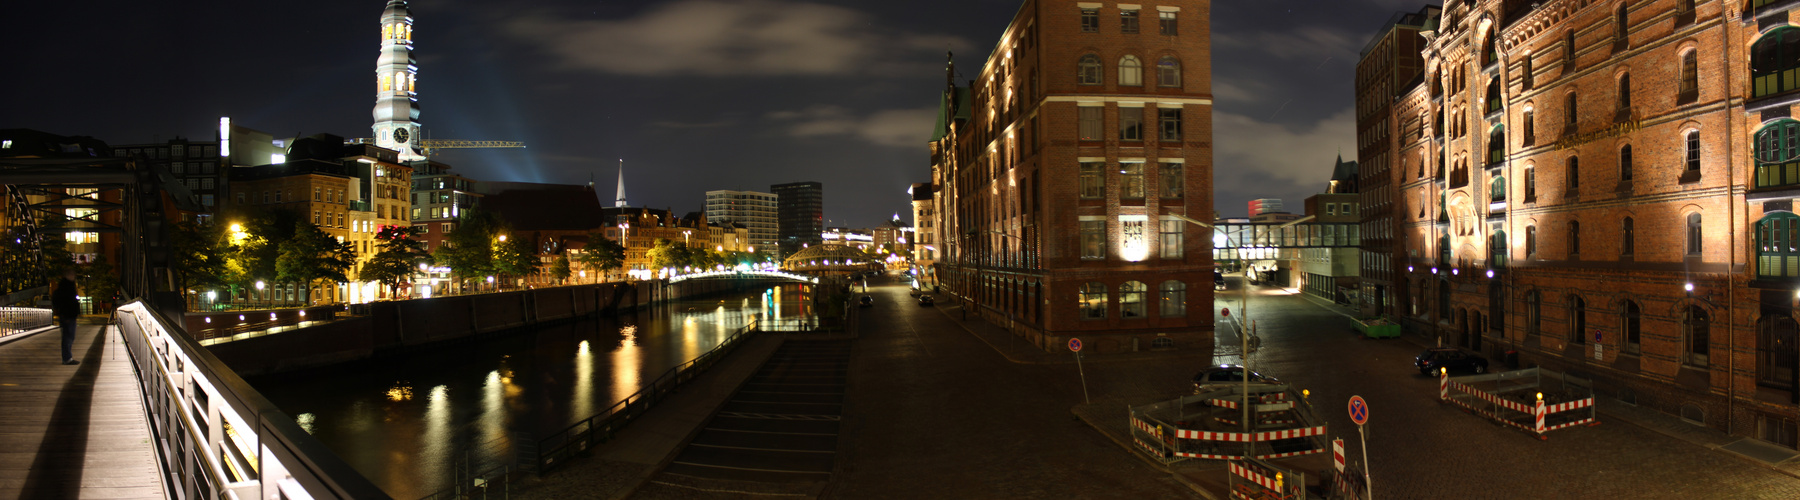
(1433, 359)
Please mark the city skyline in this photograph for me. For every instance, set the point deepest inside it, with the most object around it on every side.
(781, 91)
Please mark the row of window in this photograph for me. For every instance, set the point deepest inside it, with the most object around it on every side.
(1089, 122)
(1134, 244)
(1166, 23)
(1088, 71)
(1171, 298)
(1628, 238)
(1131, 180)
(1695, 322)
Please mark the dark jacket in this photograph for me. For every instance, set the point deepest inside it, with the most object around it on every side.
(63, 301)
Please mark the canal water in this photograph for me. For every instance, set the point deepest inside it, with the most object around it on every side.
(413, 423)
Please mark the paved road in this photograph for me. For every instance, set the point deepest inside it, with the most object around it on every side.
(1422, 449)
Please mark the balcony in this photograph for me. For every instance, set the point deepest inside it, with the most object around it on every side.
(361, 206)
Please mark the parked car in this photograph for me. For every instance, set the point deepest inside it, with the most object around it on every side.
(865, 301)
(926, 301)
(1222, 376)
(1449, 357)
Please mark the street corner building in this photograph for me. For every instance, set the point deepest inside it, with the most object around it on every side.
(1064, 169)
(1601, 188)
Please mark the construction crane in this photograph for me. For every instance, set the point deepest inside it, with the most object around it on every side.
(429, 146)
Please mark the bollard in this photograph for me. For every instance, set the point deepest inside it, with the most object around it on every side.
(1443, 384)
(1540, 415)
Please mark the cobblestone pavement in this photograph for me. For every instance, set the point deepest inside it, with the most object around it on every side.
(1420, 448)
(934, 412)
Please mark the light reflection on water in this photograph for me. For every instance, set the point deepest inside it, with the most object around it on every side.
(484, 395)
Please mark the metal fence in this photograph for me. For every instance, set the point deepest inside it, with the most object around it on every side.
(600, 428)
(16, 320)
(215, 436)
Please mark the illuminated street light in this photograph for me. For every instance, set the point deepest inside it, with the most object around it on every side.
(503, 238)
(259, 284)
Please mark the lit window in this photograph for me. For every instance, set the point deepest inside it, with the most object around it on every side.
(1166, 23)
(1131, 71)
(1093, 239)
(1174, 299)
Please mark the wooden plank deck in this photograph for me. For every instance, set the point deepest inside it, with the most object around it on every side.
(73, 431)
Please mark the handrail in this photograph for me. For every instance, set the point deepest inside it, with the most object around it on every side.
(14, 320)
(599, 428)
(215, 436)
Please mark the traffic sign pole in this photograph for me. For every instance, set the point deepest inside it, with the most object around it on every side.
(1359, 413)
(1075, 347)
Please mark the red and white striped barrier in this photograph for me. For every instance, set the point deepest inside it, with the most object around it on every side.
(1254, 475)
(1244, 437)
(1443, 385)
(1540, 416)
(1536, 412)
(1265, 406)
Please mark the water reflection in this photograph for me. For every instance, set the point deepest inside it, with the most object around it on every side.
(486, 394)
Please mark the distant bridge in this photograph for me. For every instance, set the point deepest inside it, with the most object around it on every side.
(746, 274)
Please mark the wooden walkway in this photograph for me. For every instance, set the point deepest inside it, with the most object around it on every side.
(73, 431)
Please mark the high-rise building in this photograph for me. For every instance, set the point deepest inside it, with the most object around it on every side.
(439, 196)
(800, 210)
(758, 212)
(1391, 62)
(1066, 170)
(1265, 205)
(195, 163)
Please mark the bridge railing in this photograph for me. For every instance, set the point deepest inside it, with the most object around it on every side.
(14, 320)
(556, 449)
(215, 436)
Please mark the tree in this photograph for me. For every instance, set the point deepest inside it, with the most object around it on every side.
(469, 249)
(201, 254)
(310, 256)
(601, 254)
(664, 254)
(99, 280)
(516, 257)
(398, 256)
(559, 269)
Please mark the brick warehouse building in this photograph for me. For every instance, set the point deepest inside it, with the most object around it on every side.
(1391, 61)
(1060, 169)
(1626, 170)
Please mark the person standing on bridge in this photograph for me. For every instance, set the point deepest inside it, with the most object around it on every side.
(66, 306)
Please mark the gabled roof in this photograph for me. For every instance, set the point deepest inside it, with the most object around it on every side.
(951, 107)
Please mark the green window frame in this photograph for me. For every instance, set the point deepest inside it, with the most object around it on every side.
(1775, 62)
(1777, 251)
(1778, 154)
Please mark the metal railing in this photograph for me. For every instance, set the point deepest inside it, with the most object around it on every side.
(600, 428)
(16, 320)
(215, 436)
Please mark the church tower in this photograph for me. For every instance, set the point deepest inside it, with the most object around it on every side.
(396, 85)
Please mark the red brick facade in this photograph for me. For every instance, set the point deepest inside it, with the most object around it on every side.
(1597, 220)
(1007, 168)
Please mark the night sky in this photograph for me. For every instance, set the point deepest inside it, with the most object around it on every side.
(694, 95)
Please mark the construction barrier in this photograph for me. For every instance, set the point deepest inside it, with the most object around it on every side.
(1205, 426)
(1507, 401)
(1254, 479)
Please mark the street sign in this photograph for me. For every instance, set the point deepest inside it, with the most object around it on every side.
(1359, 410)
(1598, 353)
(1337, 453)
(1225, 311)
(1075, 345)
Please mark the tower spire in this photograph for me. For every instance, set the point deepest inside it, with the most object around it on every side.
(396, 85)
(620, 202)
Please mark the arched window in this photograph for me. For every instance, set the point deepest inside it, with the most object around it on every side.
(1689, 91)
(1771, 59)
(1570, 115)
(1131, 71)
(1775, 345)
(1497, 188)
(1633, 323)
(1497, 145)
(1528, 129)
(1530, 242)
(1497, 307)
(1574, 176)
(1534, 313)
(1777, 255)
(1174, 299)
(1694, 235)
(1443, 300)
(1525, 77)
(1577, 320)
(1574, 239)
(1693, 151)
(1624, 95)
(1622, 26)
(1489, 54)
(1497, 250)
(1628, 245)
(1087, 72)
(1493, 95)
(1625, 163)
(1131, 299)
(1530, 183)
(1568, 51)
(1778, 152)
(1696, 333)
(1093, 300)
(1168, 72)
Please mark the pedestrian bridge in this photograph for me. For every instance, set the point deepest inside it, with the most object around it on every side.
(781, 275)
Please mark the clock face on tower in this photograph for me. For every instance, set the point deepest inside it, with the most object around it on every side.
(400, 135)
